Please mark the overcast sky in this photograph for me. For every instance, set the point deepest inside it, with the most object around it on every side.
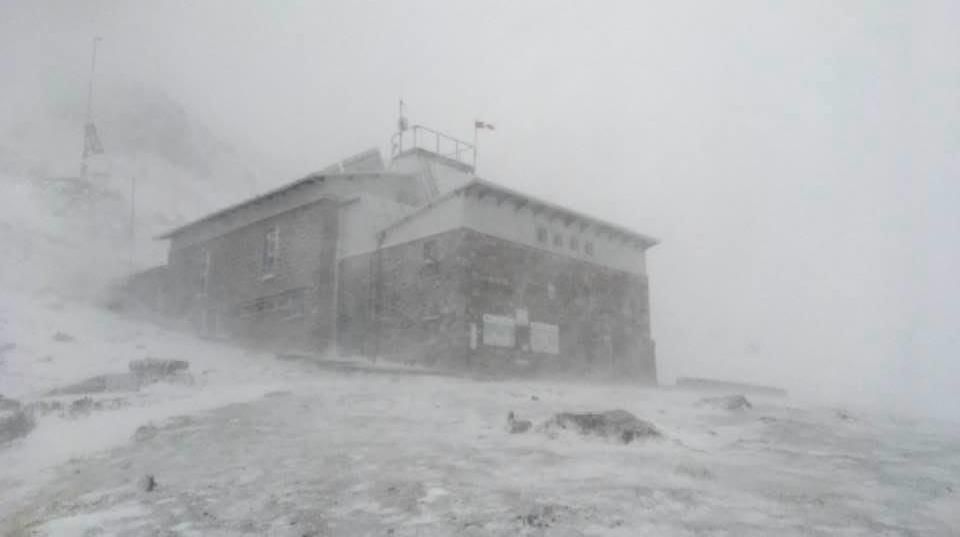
(799, 160)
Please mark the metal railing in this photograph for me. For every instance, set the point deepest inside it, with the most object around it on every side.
(420, 137)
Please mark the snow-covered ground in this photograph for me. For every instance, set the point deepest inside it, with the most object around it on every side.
(256, 445)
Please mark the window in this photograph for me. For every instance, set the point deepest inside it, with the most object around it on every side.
(271, 243)
(430, 252)
(542, 234)
(588, 248)
(205, 265)
(558, 240)
(574, 243)
(431, 260)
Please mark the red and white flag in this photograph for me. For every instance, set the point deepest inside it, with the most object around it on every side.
(482, 125)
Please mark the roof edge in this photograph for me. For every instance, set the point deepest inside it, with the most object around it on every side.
(308, 179)
(646, 240)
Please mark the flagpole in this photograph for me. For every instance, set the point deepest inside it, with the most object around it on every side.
(475, 139)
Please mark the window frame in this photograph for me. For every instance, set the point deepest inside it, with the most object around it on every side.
(271, 252)
(206, 262)
(543, 236)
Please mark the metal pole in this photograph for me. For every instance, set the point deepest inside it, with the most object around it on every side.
(400, 129)
(133, 219)
(475, 138)
(93, 68)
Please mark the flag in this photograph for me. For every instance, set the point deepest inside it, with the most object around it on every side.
(91, 141)
(482, 125)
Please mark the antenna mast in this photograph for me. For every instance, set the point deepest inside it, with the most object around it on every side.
(91, 142)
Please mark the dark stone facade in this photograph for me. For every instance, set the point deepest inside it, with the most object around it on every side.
(290, 307)
(420, 301)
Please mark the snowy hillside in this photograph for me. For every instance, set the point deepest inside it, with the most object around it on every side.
(248, 444)
(182, 168)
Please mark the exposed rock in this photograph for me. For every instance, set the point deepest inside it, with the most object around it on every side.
(45, 407)
(63, 337)
(9, 404)
(517, 426)
(544, 516)
(145, 432)
(148, 483)
(14, 424)
(843, 415)
(726, 402)
(695, 472)
(119, 382)
(618, 424)
(80, 407)
(157, 368)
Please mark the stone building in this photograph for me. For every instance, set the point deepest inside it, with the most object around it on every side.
(419, 261)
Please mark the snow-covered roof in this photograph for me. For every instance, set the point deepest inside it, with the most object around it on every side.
(311, 179)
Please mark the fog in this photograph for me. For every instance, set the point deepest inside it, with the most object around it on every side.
(800, 163)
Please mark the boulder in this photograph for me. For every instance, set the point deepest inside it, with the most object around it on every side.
(618, 425)
(145, 432)
(154, 368)
(148, 483)
(63, 337)
(115, 382)
(14, 424)
(8, 404)
(516, 425)
(726, 402)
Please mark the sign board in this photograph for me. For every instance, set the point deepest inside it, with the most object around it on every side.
(545, 338)
(498, 331)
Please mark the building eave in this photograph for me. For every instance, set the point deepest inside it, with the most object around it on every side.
(482, 188)
(270, 194)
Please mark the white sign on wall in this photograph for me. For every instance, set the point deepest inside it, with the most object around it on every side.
(545, 338)
(498, 331)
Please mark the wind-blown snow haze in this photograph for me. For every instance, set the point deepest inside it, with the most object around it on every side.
(798, 162)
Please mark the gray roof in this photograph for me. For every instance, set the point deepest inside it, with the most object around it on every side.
(310, 179)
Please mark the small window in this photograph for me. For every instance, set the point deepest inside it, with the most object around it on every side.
(271, 243)
(431, 260)
(574, 243)
(542, 234)
(588, 248)
(205, 266)
(558, 240)
(430, 252)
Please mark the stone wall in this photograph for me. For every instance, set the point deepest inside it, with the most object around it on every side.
(602, 315)
(405, 303)
(426, 309)
(293, 305)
